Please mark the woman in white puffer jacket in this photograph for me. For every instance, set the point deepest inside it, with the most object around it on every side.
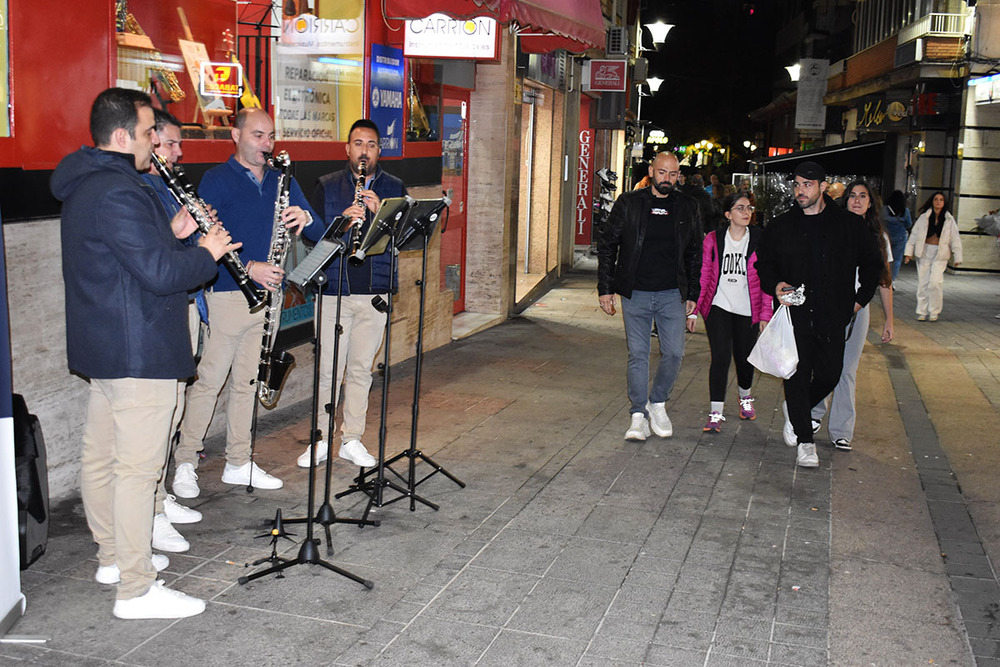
(933, 240)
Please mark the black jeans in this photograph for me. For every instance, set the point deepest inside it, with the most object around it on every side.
(729, 335)
(821, 359)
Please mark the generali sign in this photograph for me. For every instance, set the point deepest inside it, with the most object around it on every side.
(605, 76)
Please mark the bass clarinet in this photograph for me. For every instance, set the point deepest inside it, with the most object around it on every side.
(186, 196)
(274, 366)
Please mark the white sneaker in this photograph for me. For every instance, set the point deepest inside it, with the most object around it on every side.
(185, 481)
(788, 431)
(110, 574)
(159, 602)
(807, 455)
(639, 430)
(166, 537)
(659, 422)
(241, 475)
(322, 453)
(355, 452)
(177, 513)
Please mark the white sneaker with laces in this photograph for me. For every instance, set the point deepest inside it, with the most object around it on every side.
(659, 422)
(788, 431)
(159, 602)
(185, 481)
(177, 513)
(166, 537)
(807, 457)
(233, 474)
(110, 574)
(355, 452)
(322, 453)
(639, 429)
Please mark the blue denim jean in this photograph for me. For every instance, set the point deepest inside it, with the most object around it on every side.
(666, 308)
(897, 242)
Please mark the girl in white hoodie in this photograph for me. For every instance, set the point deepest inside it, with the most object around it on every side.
(933, 240)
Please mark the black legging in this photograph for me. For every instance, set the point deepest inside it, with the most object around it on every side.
(729, 336)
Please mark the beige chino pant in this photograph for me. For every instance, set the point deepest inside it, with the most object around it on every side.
(125, 444)
(364, 329)
(233, 343)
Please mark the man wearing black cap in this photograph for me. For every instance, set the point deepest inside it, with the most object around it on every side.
(828, 249)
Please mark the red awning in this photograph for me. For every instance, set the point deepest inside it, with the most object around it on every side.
(574, 25)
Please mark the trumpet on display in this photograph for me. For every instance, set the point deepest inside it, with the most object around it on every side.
(186, 196)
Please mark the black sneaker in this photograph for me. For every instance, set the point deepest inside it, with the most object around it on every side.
(843, 444)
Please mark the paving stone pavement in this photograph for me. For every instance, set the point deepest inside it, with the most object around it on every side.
(571, 546)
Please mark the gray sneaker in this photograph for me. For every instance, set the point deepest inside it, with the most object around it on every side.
(185, 481)
(659, 422)
(807, 455)
(639, 429)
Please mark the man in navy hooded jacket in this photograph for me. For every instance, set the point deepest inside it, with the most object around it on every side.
(126, 280)
(363, 326)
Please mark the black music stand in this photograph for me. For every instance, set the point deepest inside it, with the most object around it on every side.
(416, 233)
(373, 482)
(312, 276)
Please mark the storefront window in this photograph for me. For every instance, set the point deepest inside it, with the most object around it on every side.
(318, 69)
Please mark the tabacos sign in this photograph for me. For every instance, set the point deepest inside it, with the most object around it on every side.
(605, 75)
(221, 79)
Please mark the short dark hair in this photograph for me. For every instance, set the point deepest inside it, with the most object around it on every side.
(116, 108)
(366, 124)
(164, 118)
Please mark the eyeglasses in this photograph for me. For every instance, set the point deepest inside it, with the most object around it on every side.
(743, 208)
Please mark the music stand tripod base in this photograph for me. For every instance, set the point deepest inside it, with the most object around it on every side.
(309, 551)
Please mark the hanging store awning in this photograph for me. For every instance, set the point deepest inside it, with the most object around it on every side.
(546, 25)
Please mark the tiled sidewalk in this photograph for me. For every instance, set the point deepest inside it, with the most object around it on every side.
(569, 546)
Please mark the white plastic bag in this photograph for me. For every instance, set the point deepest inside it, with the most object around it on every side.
(775, 352)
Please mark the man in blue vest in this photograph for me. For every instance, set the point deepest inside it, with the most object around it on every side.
(363, 326)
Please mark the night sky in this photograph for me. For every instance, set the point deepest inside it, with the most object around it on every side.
(717, 64)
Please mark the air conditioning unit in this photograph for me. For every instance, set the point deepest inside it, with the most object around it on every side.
(617, 42)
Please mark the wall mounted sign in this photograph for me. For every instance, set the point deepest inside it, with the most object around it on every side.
(440, 36)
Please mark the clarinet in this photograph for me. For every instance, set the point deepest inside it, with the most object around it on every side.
(274, 367)
(355, 258)
(186, 196)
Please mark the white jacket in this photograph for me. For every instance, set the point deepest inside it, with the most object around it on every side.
(949, 243)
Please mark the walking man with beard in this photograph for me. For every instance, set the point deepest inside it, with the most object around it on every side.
(650, 255)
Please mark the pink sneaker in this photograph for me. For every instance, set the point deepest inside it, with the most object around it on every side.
(746, 408)
(714, 423)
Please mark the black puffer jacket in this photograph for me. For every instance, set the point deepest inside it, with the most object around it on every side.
(620, 244)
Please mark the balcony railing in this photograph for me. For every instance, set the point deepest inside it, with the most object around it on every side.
(937, 25)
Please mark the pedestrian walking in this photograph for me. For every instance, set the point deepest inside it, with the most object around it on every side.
(650, 254)
(860, 200)
(732, 305)
(933, 241)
